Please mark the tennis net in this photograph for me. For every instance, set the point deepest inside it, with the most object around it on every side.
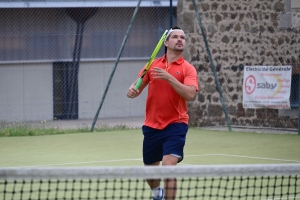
(268, 181)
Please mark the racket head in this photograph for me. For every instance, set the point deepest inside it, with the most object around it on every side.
(152, 57)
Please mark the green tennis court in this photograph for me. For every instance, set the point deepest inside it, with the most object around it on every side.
(124, 148)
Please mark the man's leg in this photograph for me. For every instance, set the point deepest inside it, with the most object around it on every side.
(153, 183)
(152, 156)
(171, 183)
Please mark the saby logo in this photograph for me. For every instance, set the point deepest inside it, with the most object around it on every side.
(250, 84)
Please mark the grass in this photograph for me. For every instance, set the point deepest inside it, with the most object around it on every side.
(124, 148)
(25, 129)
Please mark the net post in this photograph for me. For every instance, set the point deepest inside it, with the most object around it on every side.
(171, 13)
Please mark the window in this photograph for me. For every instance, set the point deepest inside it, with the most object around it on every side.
(49, 33)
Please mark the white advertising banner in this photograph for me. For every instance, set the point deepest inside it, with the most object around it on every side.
(267, 87)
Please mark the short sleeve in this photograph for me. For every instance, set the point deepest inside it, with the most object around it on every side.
(191, 77)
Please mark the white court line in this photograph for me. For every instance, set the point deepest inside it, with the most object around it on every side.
(140, 159)
(280, 198)
(253, 157)
(77, 163)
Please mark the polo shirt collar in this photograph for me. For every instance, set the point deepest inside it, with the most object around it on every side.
(178, 61)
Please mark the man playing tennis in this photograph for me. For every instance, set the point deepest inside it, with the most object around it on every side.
(172, 81)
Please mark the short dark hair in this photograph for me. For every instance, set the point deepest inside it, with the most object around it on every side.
(173, 28)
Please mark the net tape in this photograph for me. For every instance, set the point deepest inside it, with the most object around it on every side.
(149, 171)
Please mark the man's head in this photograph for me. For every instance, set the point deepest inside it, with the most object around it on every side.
(175, 39)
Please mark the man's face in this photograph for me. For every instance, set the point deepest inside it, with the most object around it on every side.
(176, 41)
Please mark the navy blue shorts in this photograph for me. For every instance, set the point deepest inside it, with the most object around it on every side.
(157, 143)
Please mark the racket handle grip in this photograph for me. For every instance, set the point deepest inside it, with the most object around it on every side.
(138, 83)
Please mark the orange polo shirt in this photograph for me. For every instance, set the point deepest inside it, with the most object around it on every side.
(164, 106)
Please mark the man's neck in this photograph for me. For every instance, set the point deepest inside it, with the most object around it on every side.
(173, 56)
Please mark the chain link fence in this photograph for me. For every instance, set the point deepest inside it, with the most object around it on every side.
(59, 59)
(241, 34)
(56, 58)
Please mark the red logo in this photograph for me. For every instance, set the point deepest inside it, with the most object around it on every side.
(250, 84)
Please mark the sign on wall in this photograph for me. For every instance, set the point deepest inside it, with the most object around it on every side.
(267, 87)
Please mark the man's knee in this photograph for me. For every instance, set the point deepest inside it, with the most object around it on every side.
(170, 160)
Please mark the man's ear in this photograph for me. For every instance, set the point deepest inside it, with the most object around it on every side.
(166, 43)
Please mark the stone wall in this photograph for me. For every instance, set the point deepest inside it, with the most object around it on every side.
(239, 33)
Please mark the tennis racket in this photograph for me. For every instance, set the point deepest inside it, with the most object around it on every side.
(152, 57)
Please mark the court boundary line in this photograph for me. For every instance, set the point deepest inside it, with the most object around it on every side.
(240, 156)
(282, 198)
(76, 163)
(140, 159)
